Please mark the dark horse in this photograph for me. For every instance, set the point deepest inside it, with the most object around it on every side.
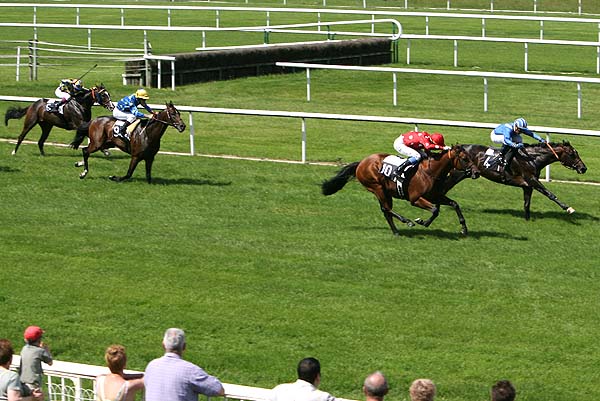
(77, 111)
(144, 144)
(425, 190)
(526, 168)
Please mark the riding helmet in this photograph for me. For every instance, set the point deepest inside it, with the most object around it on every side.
(520, 123)
(438, 139)
(142, 94)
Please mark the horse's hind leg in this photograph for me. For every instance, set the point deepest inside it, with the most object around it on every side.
(46, 128)
(28, 125)
(385, 202)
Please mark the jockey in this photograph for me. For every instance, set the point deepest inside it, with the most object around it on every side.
(509, 136)
(416, 144)
(127, 108)
(68, 88)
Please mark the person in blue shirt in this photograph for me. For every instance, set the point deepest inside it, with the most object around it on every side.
(509, 135)
(127, 108)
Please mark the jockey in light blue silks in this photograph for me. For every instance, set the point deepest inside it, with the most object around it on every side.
(509, 136)
(127, 108)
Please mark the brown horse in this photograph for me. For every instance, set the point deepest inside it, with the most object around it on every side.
(77, 111)
(425, 189)
(526, 168)
(144, 144)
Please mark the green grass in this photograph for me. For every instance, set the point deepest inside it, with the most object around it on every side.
(261, 270)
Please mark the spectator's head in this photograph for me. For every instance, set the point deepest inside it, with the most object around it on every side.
(6, 352)
(115, 358)
(174, 340)
(309, 370)
(33, 334)
(503, 391)
(375, 386)
(422, 390)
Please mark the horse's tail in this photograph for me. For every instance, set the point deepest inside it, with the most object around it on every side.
(331, 186)
(83, 131)
(15, 112)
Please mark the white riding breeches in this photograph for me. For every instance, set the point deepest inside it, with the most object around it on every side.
(121, 115)
(405, 150)
(499, 138)
(62, 95)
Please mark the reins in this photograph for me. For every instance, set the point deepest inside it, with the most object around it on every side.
(557, 158)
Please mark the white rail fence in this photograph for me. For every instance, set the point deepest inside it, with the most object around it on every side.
(482, 74)
(304, 117)
(406, 4)
(525, 42)
(69, 381)
(219, 10)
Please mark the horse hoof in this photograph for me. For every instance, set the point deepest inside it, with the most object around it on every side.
(79, 164)
(82, 176)
(106, 153)
(418, 220)
(14, 152)
(570, 210)
(464, 232)
(410, 224)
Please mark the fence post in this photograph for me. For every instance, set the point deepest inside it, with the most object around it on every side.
(483, 27)
(303, 140)
(408, 52)
(308, 84)
(172, 75)
(526, 56)
(122, 17)
(395, 78)
(169, 17)
(89, 36)
(191, 120)
(18, 61)
(159, 75)
(548, 166)
(77, 17)
(579, 100)
(455, 53)
(485, 95)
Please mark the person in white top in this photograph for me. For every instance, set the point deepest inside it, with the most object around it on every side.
(305, 388)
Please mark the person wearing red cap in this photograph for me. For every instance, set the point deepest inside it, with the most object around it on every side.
(32, 355)
(414, 145)
(11, 388)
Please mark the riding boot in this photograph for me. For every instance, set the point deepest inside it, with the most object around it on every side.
(508, 158)
(398, 172)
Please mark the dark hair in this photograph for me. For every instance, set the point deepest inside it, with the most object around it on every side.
(309, 369)
(503, 391)
(6, 351)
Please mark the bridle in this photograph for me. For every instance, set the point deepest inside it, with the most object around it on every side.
(170, 122)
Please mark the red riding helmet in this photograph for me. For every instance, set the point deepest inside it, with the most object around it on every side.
(438, 139)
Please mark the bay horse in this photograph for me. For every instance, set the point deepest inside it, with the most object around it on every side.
(526, 168)
(143, 145)
(77, 111)
(425, 189)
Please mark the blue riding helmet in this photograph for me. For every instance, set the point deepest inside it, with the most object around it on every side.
(520, 123)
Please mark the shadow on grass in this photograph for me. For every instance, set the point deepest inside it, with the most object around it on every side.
(416, 232)
(6, 169)
(574, 218)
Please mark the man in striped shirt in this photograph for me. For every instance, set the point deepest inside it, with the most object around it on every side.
(174, 379)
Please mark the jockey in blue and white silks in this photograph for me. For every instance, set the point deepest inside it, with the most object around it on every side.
(509, 136)
(127, 108)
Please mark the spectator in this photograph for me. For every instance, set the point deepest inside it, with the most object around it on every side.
(375, 387)
(117, 386)
(32, 355)
(305, 388)
(174, 379)
(503, 391)
(11, 388)
(422, 390)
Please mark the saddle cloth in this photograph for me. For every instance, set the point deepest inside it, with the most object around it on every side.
(118, 128)
(493, 160)
(388, 168)
(55, 106)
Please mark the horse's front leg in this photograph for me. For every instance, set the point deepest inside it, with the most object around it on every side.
(538, 186)
(149, 162)
(426, 205)
(461, 219)
(527, 191)
(132, 165)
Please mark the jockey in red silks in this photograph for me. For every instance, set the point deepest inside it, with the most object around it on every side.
(414, 145)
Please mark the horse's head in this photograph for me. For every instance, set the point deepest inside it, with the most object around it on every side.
(102, 97)
(463, 160)
(568, 156)
(173, 117)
